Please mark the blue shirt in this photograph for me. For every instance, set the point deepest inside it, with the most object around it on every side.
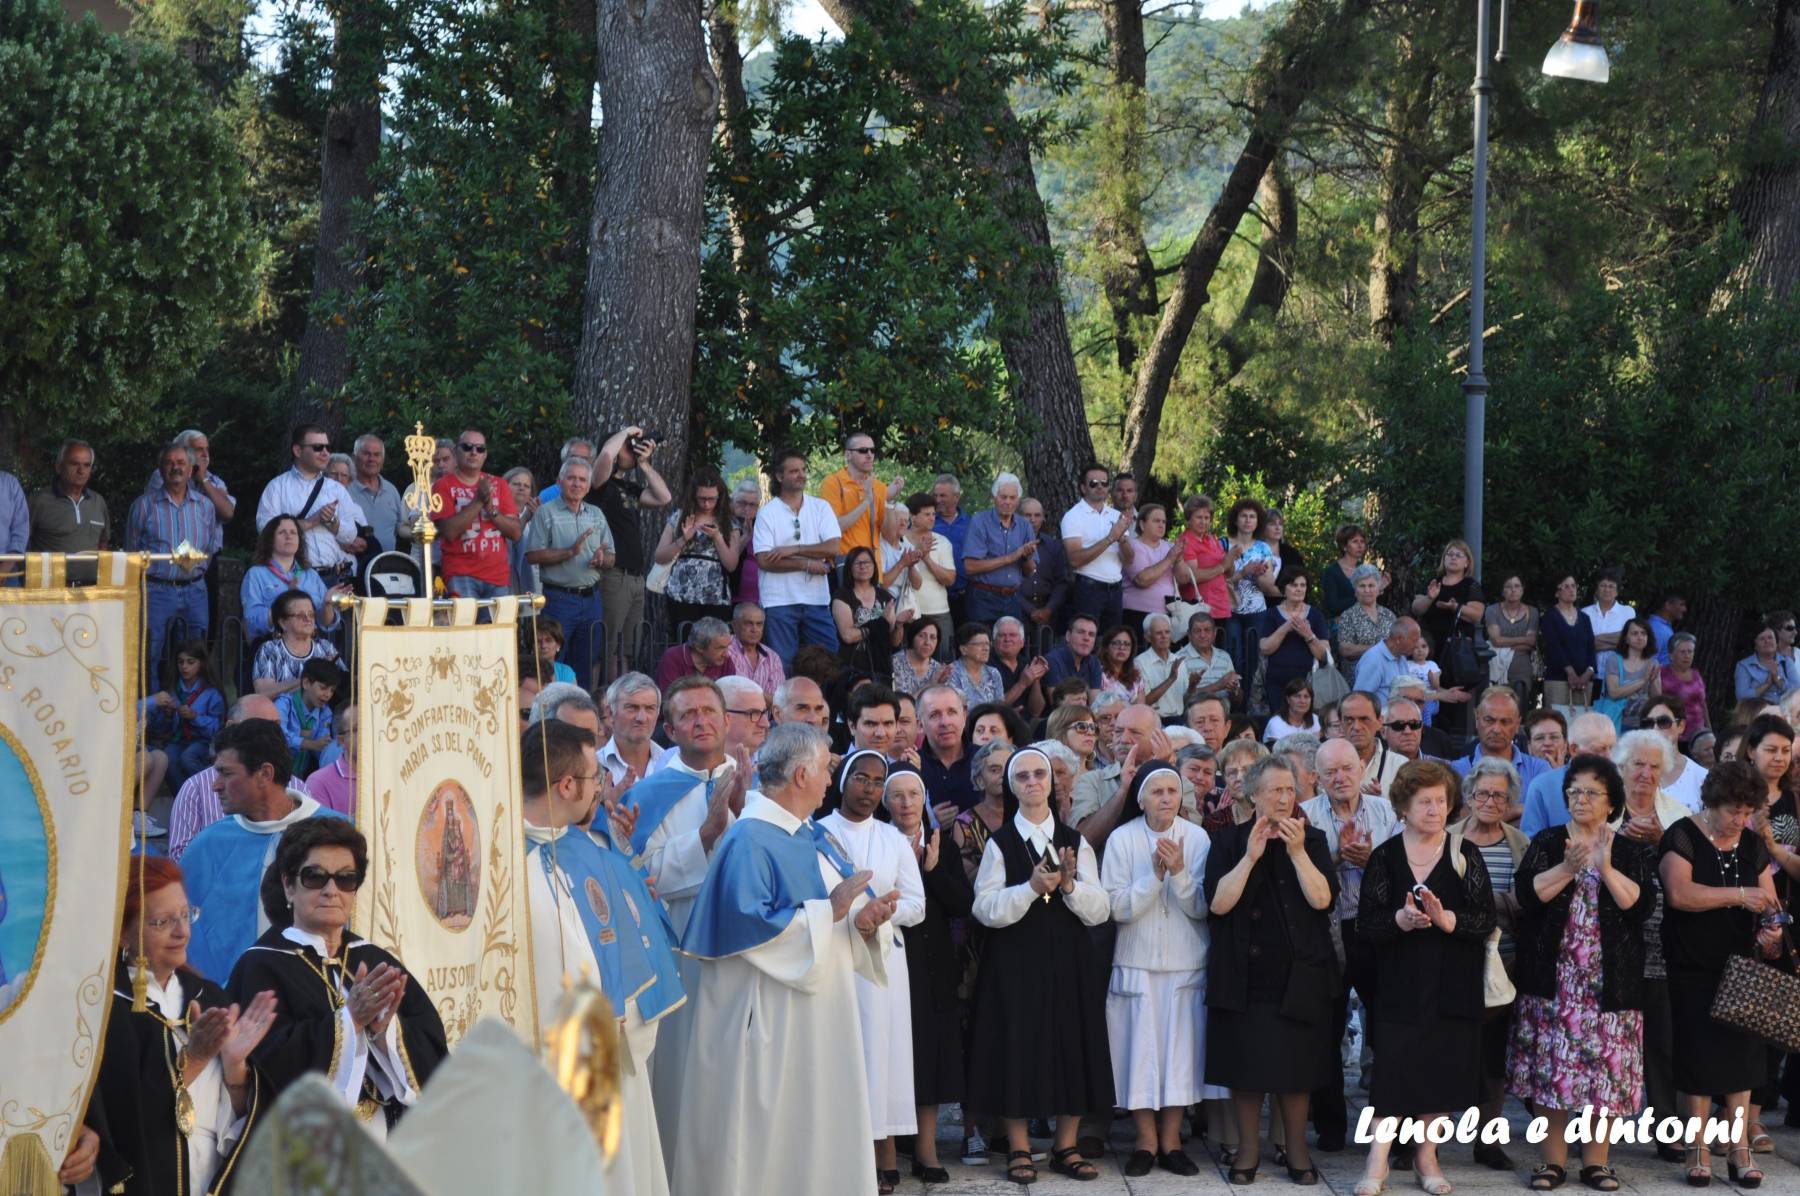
(1661, 630)
(957, 532)
(1752, 676)
(1062, 665)
(988, 539)
(15, 518)
(262, 586)
(1376, 671)
(1529, 768)
(159, 524)
(1544, 804)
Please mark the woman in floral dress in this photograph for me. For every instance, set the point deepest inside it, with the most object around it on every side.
(1578, 1031)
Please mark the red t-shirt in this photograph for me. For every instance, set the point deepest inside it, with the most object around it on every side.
(1206, 552)
(482, 551)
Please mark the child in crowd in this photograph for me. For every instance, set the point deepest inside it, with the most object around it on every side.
(306, 716)
(1421, 666)
(182, 720)
(550, 640)
(333, 783)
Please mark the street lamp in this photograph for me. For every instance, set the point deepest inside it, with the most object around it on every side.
(1578, 54)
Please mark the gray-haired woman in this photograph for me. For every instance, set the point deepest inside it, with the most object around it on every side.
(1489, 790)
(1366, 623)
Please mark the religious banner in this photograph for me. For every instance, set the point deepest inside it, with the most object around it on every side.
(68, 728)
(438, 799)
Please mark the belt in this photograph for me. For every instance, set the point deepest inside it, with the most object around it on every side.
(1003, 591)
(579, 592)
(1084, 579)
(170, 581)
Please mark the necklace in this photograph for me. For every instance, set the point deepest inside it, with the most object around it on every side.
(1429, 861)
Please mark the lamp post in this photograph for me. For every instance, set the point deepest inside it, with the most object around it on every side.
(1577, 54)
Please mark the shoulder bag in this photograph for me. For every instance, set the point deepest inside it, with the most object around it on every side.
(1496, 986)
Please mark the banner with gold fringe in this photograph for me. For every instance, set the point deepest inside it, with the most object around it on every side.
(68, 731)
(438, 799)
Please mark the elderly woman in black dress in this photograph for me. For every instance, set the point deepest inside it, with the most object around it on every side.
(1715, 872)
(1585, 894)
(933, 965)
(1039, 1037)
(1271, 995)
(1426, 910)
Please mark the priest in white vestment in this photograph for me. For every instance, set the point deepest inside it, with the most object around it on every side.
(775, 1098)
(593, 918)
(885, 1009)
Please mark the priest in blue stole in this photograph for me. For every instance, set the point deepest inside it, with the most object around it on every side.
(226, 861)
(591, 913)
(775, 1095)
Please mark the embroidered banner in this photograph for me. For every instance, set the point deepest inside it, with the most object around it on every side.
(438, 799)
(68, 710)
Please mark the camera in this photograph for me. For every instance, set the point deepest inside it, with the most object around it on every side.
(640, 444)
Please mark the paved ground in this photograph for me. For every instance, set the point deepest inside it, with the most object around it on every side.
(1640, 1171)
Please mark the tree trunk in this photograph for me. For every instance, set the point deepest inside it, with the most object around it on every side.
(1038, 353)
(1294, 58)
(1768, 200)
(1280, 209)
(658, 99)
(1127, 273)
(347, 161)
(1400, 190)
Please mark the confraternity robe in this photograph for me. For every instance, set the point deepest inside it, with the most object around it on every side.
(671, 805)
(775, 1086)
(224, 866)
(886, 1009)
(591, 913)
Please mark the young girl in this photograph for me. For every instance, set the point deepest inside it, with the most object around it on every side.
(183, 719)
(1425, 669)
(1631, 676)
(1296, 713)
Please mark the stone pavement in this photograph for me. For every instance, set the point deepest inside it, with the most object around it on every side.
(1641, 1173)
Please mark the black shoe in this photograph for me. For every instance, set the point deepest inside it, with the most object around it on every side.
(1139, 1164)
(1670, 1153)
(1177, 1161)
(1492, 1157)
(1330, 1143)
(930, 1175)
(1305, 1177)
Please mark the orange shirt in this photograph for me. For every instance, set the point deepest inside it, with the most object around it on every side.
(845, 494)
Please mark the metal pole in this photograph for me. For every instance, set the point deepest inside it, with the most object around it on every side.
(1475, 384)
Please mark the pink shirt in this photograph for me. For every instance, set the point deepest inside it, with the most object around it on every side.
(1156, 595)
(334, 787)
(765, 670)
(1691, 694)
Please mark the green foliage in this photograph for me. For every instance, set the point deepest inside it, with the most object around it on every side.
(1643, 427)
(874, 266)
(1309, 522)
(477, 240)
(124, 234)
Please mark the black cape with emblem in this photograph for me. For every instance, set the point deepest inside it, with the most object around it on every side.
(141, 1151)
(306, 1035)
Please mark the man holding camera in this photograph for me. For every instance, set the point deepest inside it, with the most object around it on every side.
(621, 497)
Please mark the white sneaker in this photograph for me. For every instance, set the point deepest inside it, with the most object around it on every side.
(147, 827)
(975, 1150)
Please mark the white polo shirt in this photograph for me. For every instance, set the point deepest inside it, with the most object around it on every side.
(778, 526)
(1087, 526)
(1611, 622)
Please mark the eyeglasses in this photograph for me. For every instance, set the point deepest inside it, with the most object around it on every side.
(585, 776)
(1661, 722)
(796, 529)
(760, 716)
(1586, 795)
(1787, 627)
(466, 447)
(1406, 724)
(1084, 725)
(1094, 483)
(868, 448)
(188, 914)
(318, 448)
(348, 881)
(1488, 798)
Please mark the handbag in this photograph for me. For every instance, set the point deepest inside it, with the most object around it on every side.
(657, 580)
(1466, 657)
(1496, 986)
(1327, 680)
(1760, 999)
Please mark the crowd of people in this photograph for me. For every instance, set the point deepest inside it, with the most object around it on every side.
(1046, 821)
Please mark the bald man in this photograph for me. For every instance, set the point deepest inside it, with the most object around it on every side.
(196, 805)
(1100, 794)
(1591, 734)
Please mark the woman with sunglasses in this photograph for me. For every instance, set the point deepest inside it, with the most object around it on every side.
(179, 1092)
(344, 1007)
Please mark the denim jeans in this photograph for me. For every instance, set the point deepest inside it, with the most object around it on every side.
(1104, 602)
(988, 608)
(180, 610)
(795, 623)
(473, 587)
(580, 617)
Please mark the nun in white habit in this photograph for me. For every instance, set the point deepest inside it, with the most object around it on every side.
(1156, 998)
(885, 1010)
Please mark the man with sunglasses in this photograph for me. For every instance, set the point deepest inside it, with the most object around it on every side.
(1093, 535)
(858, 496)
(225, 862)
(477, 522)
(327, 512)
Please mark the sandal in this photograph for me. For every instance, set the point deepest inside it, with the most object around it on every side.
(1760, 1142)
(886, 1182)
(1241, 1176)
(1020, 1173)
(1750, 1176)
(1068, 1161)
(1699, 1172)
(1435, 1185)
(1600, 1177)
(1547, 1177)
(1369, 1185)
(1304, 1177)
(930, 1175)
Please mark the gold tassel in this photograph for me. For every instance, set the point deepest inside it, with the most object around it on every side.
(140, 984)
(26, 1168)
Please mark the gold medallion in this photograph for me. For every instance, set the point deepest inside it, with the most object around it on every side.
(185, 1119)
